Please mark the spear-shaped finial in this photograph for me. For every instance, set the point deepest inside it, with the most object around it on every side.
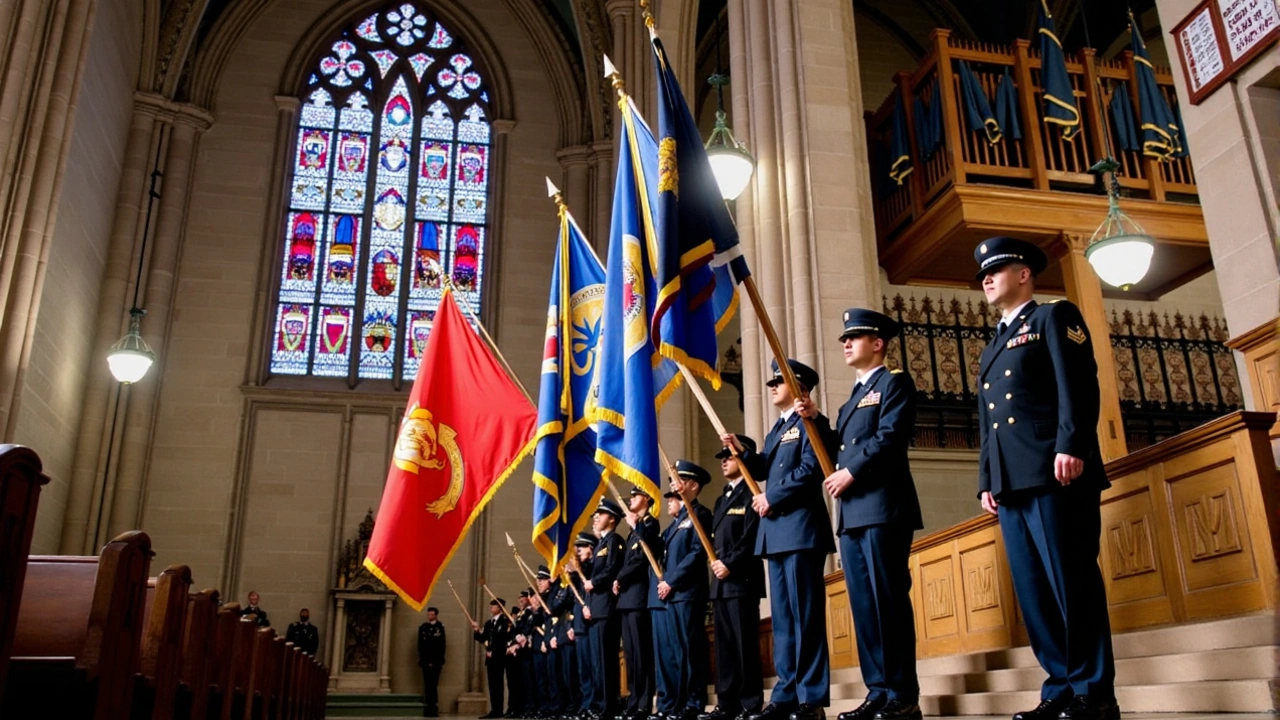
(611, 72)
(553, 192)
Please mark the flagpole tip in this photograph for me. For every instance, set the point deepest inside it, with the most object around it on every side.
(510, 542)
(609, 69)
(552, 190)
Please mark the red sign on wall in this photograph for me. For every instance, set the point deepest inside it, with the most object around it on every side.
(1219, 37)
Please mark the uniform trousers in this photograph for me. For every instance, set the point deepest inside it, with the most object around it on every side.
(430, 688)
(637, 646)
(739, 684)
(494, 670)
(586, 670)
(798, 600)
(681, 653)
(1051, 538)
(567, 670)
(877, 575)
(606, 636)
(665, 661)
(550, 691)
(517, 683)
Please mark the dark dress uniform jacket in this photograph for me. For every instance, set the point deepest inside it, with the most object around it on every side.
(431, 644)
(304, 637)
(873, 432)
(1032, 408)
(733, 526)
(605, 567)
(686, 564)
(579, 621)
(495, 634)
(798, 517)
(633, 578)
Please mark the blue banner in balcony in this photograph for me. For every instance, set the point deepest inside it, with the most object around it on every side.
(928, 119)
(1007, 107)
(1122, 118)
(1161, 137)
(977, 110)
(899, 144)
(1059, 98)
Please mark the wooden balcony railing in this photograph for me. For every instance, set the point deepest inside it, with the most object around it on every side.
(1041, 160)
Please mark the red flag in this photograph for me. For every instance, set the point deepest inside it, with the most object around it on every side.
(466, 428)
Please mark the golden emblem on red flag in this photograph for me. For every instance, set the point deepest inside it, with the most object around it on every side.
(416, 448)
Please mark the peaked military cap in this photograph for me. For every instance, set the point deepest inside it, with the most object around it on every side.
(861, 321)
(672, 494)
(499, 601)
(434, 610)
(585, 539)
(543, 573)
(525, 593)
(692, 471)
(805, 374)
(999, 251)
(635, 490)
(746, 442)
(609, 507)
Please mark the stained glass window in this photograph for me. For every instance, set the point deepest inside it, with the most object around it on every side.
(388, 199)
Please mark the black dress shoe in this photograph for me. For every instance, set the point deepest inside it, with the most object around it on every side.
(745, 714)
(865, 711)
(772, 711)
(809, 711)
(1046, 710)
(1083, 707)
(718, 713)
(898, 710)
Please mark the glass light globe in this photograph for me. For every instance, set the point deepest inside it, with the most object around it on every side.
(732, 170)
(1121, 260)
(130, 358)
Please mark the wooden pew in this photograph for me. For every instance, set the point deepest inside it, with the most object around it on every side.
(79, 632)
(192, 702)
(162, 644)
(20, 482)
(257, 680)
(220, 670)
(241, 656)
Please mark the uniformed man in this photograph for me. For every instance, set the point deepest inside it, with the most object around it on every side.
(1040, 471)
(795, 538)
(878, 513)
(561, 602)
(666, 670)
(684, 588)
(584, 547)
(303, 634)
(521, 673)
(605, 624)
(548, 690)
(253, 609)
(737, 585)
(632, 589)
(431, 645)
(495, 636)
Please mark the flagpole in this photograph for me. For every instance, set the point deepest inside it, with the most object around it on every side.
(653, 562)
(762, 313)
(688, 506)
(470, 620)
(503, 608)
(564, 573)
(528, 574)
(692, 382)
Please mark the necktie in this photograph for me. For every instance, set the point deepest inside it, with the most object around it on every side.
(1001, 327)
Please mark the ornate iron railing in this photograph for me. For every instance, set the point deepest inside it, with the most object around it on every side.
(1174, 373)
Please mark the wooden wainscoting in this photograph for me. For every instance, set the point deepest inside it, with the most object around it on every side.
(1190, 528)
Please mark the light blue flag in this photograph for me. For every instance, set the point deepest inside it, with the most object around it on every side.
(567, 482)
(634, 381)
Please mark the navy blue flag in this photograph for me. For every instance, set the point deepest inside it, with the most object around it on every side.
(899, 147)
(698, 259)
(1161, 138)
(1059, 99)
(567, 482)
(928, 121)
(1007, 106)
(1122, 118)
(977, 110)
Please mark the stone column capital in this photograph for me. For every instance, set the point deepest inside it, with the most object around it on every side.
(619, 8)
(503, 126)
(172, 112)
(575, 155)
(288, 103)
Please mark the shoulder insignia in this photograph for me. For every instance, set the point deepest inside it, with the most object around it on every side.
(1076, 335)
(896, 371)
(1054, 301)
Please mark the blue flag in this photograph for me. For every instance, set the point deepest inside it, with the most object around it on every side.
(1161, 137)
(567, 482)
(634, 381)
(698, 259)
(1059, 99)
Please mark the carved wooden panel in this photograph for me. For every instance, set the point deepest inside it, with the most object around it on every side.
(1130, 563)
(981, 587)
(840, 639)
(1208, 525)
(938, 597)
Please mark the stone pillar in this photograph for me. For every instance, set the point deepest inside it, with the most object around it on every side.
(1234, 139)
(124, 496)
(602, 203)
(575, 164)
(384, 647)
(45, 49)
(806, 219)
(113, 319)
(1085, 290)
(339, 641)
